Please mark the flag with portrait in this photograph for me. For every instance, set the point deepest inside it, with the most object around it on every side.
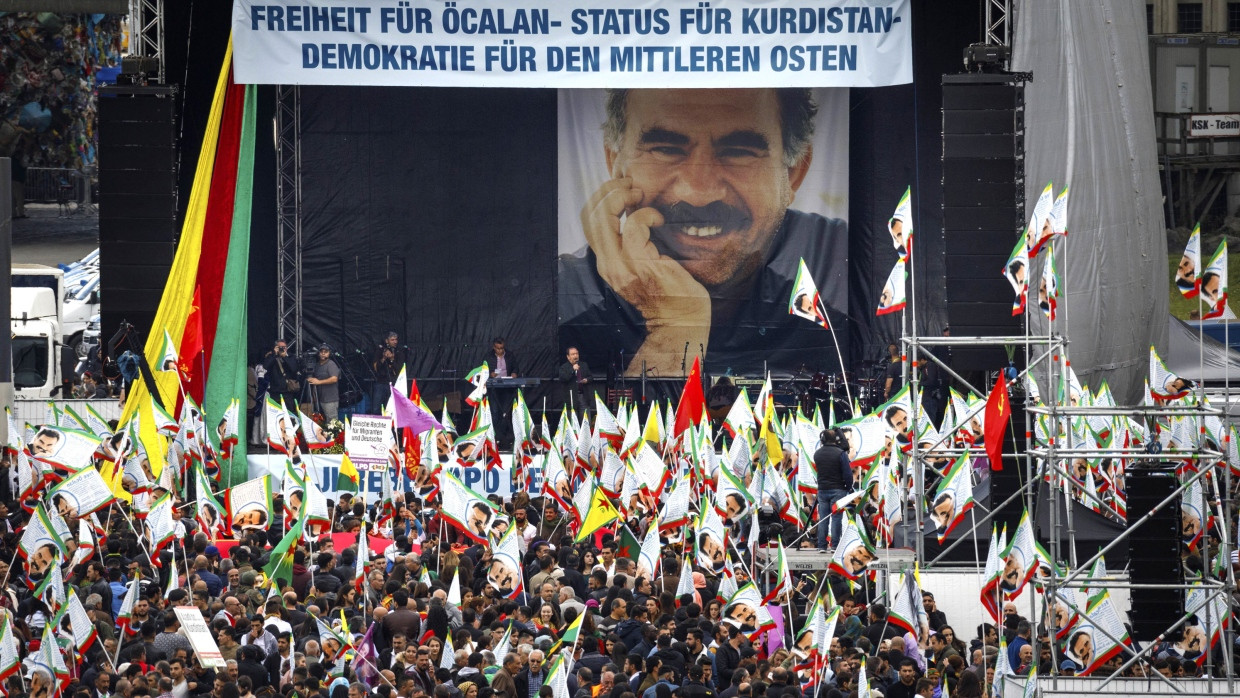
(954, 497)
(892, 297)
(853, 552)
(41, 545)
(1016, 271)
(1040, 227)
(805, 302)
(80, 494)
(900, 225)
(504, 573)
(1188, 273)
(866, 437)
(478, 378)
(66, 450)
(555, 480)
(711, 542)
(466, 509)
(1020, 559)
(675, 512)
(1214, 283)
(1165, 385)
(732, 497)
(1048, 290)
(249, 505)
(1099, 636)
(744, 610)
(1208, 616)
(650, 553)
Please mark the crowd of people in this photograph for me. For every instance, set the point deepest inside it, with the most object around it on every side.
(549, 594)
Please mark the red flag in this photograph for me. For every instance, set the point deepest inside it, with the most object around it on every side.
(998, 411)
(692, 400)
(191, 348)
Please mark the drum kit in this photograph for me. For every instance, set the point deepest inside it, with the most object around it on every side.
(832, 390)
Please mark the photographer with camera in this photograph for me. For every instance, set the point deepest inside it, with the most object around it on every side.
(283, 375)
(834, 482)
(389, 358)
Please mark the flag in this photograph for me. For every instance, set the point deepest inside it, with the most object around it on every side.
(600, 513)
(692, 403)
(557, 677)
(347, 479)
(478, 378)
(504, 573)
(316, 438)
(409, 415)
(1040, 227)
(10, 662)
(740, 417)
(1020, 559)
(125, 615)
(1102, 623)
(464, 508)
(1017, 272)
(649, 554)
(805, 301)
(893, 296)
(770, 437)
(1048, 292)
(362, 559)
(168, 360)
(1188, 274)
(1059, 213)
(1165, 385)
(998, 412)
(853, 552)
(1214, 283)
(906, 610)
(954, 497)
(783, 577)
(280, 567)
(900, 225)
(992, 571)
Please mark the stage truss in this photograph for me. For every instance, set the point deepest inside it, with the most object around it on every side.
(288, 224)
(1050, 353)
(146, 32)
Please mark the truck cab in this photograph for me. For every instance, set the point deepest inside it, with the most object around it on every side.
(37, 347)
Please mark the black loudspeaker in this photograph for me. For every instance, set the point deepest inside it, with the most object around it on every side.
(1154, 551)
(983, 208)
(137, 202)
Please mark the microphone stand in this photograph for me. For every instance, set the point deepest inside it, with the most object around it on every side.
(683, 357)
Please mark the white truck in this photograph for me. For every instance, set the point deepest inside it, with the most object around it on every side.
(39, 354)
(75, 294)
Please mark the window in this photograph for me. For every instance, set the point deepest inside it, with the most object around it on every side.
(1189, 17)
(1233, 16)
(1149, 18)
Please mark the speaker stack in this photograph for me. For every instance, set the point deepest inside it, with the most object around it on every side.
(983, 212)
(983, 208)
(1154, 551)
(137, 202)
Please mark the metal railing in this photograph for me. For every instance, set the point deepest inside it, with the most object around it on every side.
(49, 185)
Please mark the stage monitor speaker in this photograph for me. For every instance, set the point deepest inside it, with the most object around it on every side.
(1154, 551)
(137, 203)
(983, 207)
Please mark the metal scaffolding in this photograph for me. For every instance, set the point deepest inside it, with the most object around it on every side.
(146, 32)
(997, 28)
(288, 225)
(1045, 461)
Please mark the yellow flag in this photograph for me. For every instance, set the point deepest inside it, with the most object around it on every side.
(653, 421)
(113, 474)
(774, 450)
(601, 513)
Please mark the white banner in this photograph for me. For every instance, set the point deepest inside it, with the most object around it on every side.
(586, 43)
(327, 468)
(369, 440)
(194, 627)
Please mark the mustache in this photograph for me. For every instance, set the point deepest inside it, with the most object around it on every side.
(715, 213)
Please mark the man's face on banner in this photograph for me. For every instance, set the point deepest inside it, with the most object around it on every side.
(1013, 571)
(744, 614)
(502, 576)
(944, 508)
(43, 558)
(45, 442)
(857, 558)
(714, 550)
(478, 519)
(712, 163)
(1186, 273)
(1190, 523)
(1194, 641)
